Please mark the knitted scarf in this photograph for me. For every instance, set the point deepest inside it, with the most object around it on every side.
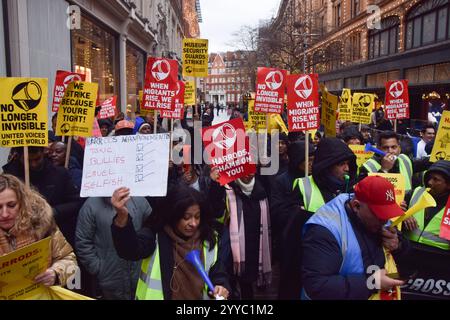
(237, 238)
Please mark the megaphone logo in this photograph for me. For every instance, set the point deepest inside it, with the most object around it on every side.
(71, 78)
(364, 101)
(345, 96)
(224, 136)
(108, 101)
(304, 87)
(161, 70)
(274, 80)
(396, 89)
(65, 128)
(27, 95)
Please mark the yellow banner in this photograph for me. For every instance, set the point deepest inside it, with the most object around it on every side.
(345, 105)
(398, 181)
(329, 109)
(256, 120)
(77, 110)
(441, 148)
(19, 268)
(363, 104)
(23, 112)
(361, 156)
(195, 58)
(190, 98)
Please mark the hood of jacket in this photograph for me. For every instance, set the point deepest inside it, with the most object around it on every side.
(442, 167)
(296, 153)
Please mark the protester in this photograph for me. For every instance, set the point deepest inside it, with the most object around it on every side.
(124, 128)
(345, 239)
(183, 225)
(54, 184)
(351, 135)
(247, 222)
(145, 128)
(116, 277)
(57, 155)
(393, 161)
(427, 133)
(25, 218)
(106, 127)
(365, 131)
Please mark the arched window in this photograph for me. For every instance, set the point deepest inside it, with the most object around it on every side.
(353, 47)
(427, 23)
(334, 56)
(384, 41)
(318, 61)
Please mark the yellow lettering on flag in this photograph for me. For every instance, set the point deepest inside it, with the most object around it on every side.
(190, 98)
(345, 105)
(23, 112)
(329, 109)
(363, 104)
(361, 155)
(398, 181)
(77, 110)
(195, 57)
(441, 148)
(19, 268)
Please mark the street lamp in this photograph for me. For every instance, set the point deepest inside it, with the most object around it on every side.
(305, 45)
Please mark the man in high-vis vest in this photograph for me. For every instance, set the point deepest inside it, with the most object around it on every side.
(430, 256)
(347, 250)
(394, 161)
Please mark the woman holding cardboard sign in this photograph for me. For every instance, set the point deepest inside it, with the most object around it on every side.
(25, 218)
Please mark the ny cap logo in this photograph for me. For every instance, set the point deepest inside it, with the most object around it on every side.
(390, 195)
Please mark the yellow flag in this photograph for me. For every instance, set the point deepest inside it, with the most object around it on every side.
(190, 98)
(23, 112)
(77, 110)
(441, 148)
(329, 109)
(363, 104)
(195, 58)
(345, 105)
(20, 267)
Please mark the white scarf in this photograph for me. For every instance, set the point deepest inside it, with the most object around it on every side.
(246, 188)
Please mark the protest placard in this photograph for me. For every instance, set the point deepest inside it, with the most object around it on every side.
(140, 163)
(195, 57)
(108, 109)
(270, 87)
(398, 182)
(19, 268)
(178, 113)
(361, 155)
(190, 93)
(228, 149)
(77, 110)
(23, 112)
(363, 104)
(256, 120)
(397, 100)
(160, 84)
(303, 102)
(329, 110)
(345, 105)
(62, 80)
(441, 147)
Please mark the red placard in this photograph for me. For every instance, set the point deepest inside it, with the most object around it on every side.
(160, 84)
(228, 149)
(397, 100)
(178, 113)
(444, 232)
(108, 108)
(303, 102)
(270, 87)
(62, 80)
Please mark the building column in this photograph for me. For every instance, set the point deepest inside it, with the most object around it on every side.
(123, 72)
(18, 38)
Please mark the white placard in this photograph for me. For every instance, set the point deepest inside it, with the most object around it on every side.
(140, 163)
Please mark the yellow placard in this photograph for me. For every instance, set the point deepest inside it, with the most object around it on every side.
(345, 105)
(329, 109)
(23, 112)
(441, 148)
(361, 155)
(19, 268)
(195, 57)
(363, 104)
(397, 180)
(256, 120)
(77, 110)
(190, 98)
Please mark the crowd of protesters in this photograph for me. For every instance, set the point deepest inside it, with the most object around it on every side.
(134, 248)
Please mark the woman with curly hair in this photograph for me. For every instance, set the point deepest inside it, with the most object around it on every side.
(25, 218)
